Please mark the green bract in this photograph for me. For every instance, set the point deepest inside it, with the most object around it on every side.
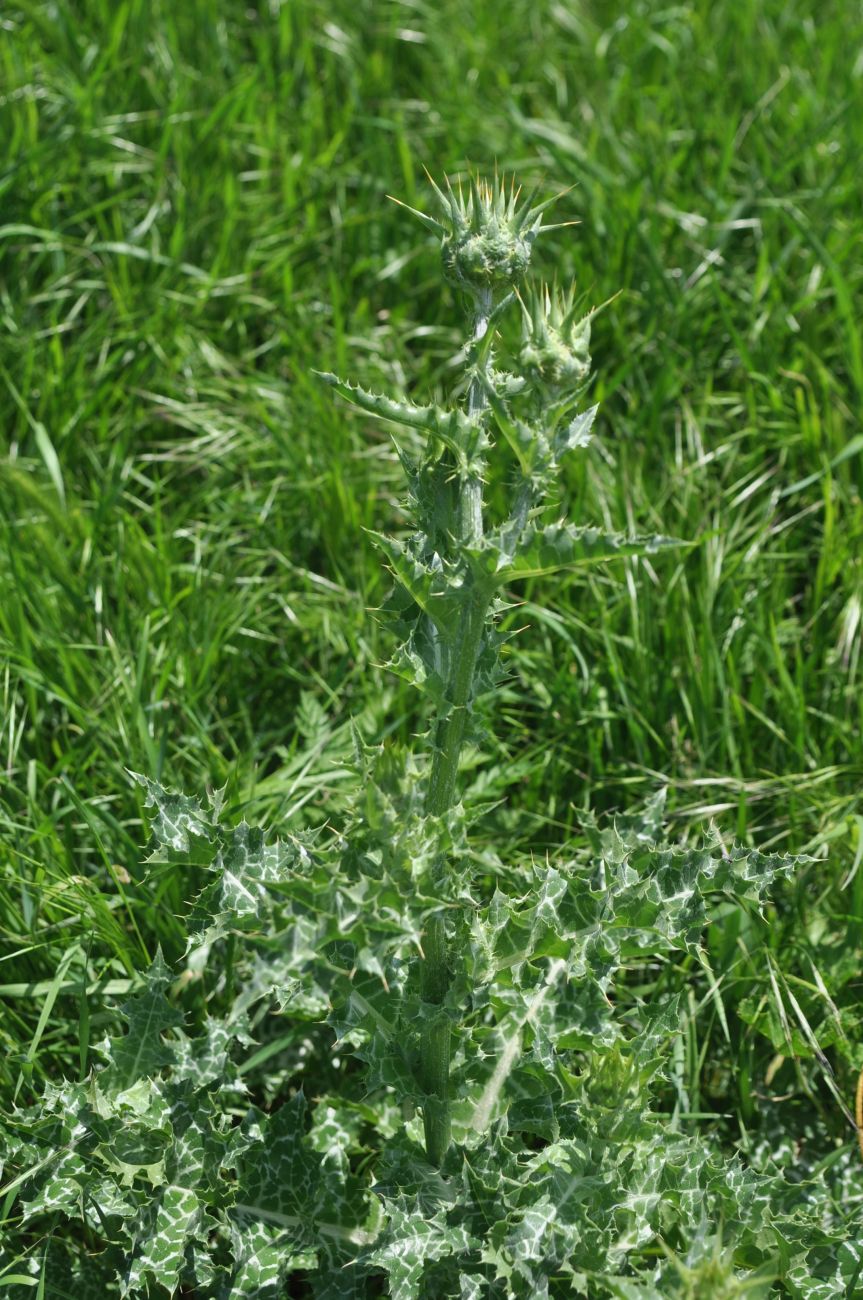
(390, 1063)
(555, 347)
(487, 236)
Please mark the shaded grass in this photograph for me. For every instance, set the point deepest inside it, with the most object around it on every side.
(193, 216)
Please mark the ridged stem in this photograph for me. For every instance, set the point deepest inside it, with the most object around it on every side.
(436, 1043)
(436, 969)
(470, 504)
(449, 730)
(449, 733)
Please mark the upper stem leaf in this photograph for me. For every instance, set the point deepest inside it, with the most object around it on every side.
(562, 546)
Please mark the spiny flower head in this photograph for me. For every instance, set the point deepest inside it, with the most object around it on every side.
(555, 346)
(487, 233)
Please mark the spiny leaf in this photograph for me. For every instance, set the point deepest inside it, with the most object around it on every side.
(413, 1240)
(177, 1219)
(436, 593)
(245, 869)
(528, 444)
(562, 546)
(385, 408)
(455, 428)
(142, 1052)
(263, 1256)
(283, 1182)
(180, 827)
(279, 1176)
(577, 433)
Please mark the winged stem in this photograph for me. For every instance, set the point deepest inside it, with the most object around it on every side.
(449, 733)
(435, 971)
(471, 492)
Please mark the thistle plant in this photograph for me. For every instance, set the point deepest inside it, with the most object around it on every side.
(264, 1135)
(455, 564)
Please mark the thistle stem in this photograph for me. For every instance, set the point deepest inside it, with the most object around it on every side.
(435, 969)
(471, 493)
(449, 733)
(436, 1043)
(452, 724)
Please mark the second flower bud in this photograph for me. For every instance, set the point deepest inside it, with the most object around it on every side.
(555, 345)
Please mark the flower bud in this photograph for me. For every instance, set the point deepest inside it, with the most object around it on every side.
(487, 236)
(489, 245)
(555, 347)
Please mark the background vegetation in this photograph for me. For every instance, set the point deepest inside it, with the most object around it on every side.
(193, 213)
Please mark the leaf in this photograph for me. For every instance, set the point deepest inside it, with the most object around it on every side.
(62, 1188)
(282, 1181)
(368, 1019)
(528, 444)
(577, 433)
(422, 660)
(411, 1241)
(142, 1053)
(415, 417)
(178, 823)
(660, 894)
(437, 594)
(201, 1136)
(562, 546)
(264, 1256)
(178, 1218)
(455, 428)
(245, 869)
(51, 459)
(278, 1175)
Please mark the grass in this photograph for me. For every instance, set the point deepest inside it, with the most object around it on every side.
(193, 214)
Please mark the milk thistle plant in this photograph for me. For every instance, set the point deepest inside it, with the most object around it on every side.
(417, 1070)
(453, 567)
